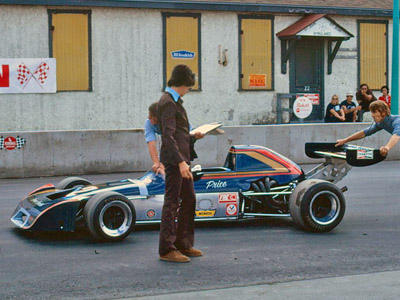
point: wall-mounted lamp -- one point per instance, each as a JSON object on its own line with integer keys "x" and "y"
{"x": 222, "y": 56}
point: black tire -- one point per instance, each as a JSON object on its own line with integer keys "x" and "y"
{"x": 71, "y": 182}
{"x": 317, "y": 205}
{"x": 109, "y": 216}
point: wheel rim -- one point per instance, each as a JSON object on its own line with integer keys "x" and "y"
{"x": 324, "y": 207}
{"x": 115, "y": 218}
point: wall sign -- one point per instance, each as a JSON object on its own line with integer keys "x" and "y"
{"x": 27, "y": 75}
{"x": 302, "y": 107}
{"x": 183, "y": 54}
{"x": 11, "y": 143}
{"x": 257, "y": 80}
{"x": 314, "y": 98}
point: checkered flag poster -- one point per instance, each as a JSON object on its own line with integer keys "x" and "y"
{"x": 11, "y": 143}
{"x": 28, "y": 75}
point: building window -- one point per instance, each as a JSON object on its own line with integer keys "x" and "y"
{"x": 373, "y": 50}
{"x": 70, "y": 45}
{"x": 182, "y": 44}
{"x": 256, "y": 53}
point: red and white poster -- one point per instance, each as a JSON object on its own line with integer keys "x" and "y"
{"x": 314, "y": 98}
{"x": 27, "y": 75}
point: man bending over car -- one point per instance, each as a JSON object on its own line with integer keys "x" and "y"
{"x": 380, "y": 112}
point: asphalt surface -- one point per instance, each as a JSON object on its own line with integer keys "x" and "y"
{"x": 268, "y": 259}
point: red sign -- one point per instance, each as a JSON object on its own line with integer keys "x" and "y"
{"x": 5, "y": 76}
{"x": 314, "y": 98}
{"x": 10, "y": 143}
{"x": 257, "y": 80}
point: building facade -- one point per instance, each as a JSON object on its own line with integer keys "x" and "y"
{"x": 114, "y": 58}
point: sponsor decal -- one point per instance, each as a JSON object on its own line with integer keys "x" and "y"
{"x": 150, "y": 213}
{"x": 183, "y": 54}
{"x": 231, "y": 209}
{"x": 205, "y": 213}
{"x": 35, "y": 201}
{"x": 216, "y": 184}
{"x": 204, "y": 204}
{"x": 10, "y": 142}
{"x": 365, "y": 154}
{"x": 227, "y": 197}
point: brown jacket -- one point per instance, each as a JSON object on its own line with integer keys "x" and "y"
{"x": 175, "y": 134}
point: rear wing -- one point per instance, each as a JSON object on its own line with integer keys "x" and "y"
{"x": 356, "y": 156}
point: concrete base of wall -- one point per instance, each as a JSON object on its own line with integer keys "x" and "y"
{"x": 51, "y": 153}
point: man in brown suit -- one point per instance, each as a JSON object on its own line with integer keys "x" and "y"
{"x": 176, "y": 240}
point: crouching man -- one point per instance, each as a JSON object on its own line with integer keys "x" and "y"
{"x": 380, "y": 112}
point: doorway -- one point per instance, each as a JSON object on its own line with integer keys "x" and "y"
{"x": 307, "y": 74}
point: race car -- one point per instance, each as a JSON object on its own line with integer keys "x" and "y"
{"x": 254, "y": 182}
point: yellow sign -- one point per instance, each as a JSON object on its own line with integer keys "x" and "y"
{"x": 205, "y": 213}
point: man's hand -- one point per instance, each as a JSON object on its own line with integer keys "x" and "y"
{"x": 185, "y": 170}
{"x": 340, "y": 142}
{"x": 384, "y": 150}
{"x": 158, "y": 168}
{"x": 198, "y": 135}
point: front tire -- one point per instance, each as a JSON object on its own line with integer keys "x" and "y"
{"x": 317, "y": 205}
{"x": 71, "y": 182}
{"x": 109, "y": 216}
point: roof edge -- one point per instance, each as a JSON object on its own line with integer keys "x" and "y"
{"x": 212, "y": 6}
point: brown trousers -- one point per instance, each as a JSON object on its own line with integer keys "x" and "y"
{"x": 179, "y": 201}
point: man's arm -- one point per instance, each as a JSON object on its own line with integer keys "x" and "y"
{"x": 356, "y": 136}
{"x": 157, "y": 167}
{"x": 392, "y": 142}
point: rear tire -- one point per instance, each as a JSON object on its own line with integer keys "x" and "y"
{"x": 71, "y": 182}
{"x": 109, "y": 216}
{"x": 317, "y": 205}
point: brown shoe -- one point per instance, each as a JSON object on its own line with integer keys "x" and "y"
{"x": 174, "y": 256}
{"x": 191, "y": 252}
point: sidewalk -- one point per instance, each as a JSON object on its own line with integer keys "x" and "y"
{"x": 379, "y": 286}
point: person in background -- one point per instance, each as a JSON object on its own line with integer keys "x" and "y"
{"x": 334, "y": 113}
{"x": 151, "y": 131}
{"x": 382, "y": 120}
{"x": 364, "y": 97}
{"x": 385, "y": 95}
{"x": 349, "y": 108}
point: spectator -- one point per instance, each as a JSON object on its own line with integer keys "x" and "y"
{"x": 364, "y": 97}
{"x": 385, "y": 95}
{"x": 334, "y": 113}
{"x": 349, "y": 108}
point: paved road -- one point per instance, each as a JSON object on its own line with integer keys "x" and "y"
{"x": 268, "y": 259}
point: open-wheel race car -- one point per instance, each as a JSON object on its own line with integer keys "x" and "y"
{"x": 254, "y": 182}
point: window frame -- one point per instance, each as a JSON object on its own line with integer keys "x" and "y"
{"x": 267, "y": 17}
{"x": 50, "y": 13}
{"x": 165, "y": 15}
{"x": 359, "y": 22}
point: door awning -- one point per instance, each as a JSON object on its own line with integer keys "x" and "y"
{"x": 315, "y": 25}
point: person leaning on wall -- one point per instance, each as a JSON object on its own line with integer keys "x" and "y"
{"x": 350, "y": 109}
{"x": 334, "y": 113}
{"x": 364, "y": 97}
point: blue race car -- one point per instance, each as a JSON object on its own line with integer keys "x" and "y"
{"x": 254, "y": 182}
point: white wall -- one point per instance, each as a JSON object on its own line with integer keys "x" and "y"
{"x": 127, "y": 72}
